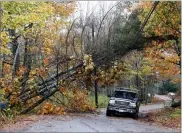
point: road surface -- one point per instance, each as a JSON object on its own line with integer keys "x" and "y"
{"x": 163, "y": 97}
{"x": 94, "y": 123}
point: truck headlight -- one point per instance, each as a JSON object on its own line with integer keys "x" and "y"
{"x": 111, "y": 101}
{"x": 133, "y": 104}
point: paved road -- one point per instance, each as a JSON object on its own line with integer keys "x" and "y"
{"x": 163, "y": 97}
{"x": 94, "y": 123}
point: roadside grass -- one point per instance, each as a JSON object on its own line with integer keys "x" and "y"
{"x": 102, "y": 100}
{"x": 176, "y": 113}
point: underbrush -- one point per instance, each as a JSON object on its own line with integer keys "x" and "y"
{"x": 70, "y": 101}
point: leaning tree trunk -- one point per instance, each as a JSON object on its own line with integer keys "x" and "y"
{"x": 16, "y": 61}
{"x": 27, "y": 63}
{"x": 15, "y": 52}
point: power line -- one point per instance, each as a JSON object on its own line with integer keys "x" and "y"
{"x": 142, "y": 27}
{"x": 148, "y": 17}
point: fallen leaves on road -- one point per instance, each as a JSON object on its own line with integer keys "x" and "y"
{"x": 17, "y": 123}
{"x": 167, "y": 117}
{"x": 157, "y": 100}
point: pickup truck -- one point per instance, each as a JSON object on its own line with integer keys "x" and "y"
{"x": 124, "y": 101}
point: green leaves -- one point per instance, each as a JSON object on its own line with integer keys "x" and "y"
{"x": 17, "y": 14}
{"x": 5, "y": 40}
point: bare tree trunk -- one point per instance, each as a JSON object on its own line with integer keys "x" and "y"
{"x": 93, "y": 40}
{"x": 73, "y": 46}
{"x": 15, "y": 51}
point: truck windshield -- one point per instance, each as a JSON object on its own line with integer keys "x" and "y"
{"x": 124, "y": 94}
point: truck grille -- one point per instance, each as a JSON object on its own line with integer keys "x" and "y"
{"x": 122, "y": 103}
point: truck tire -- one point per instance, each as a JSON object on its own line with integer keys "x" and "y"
{"x": 108, "y": 113}
{"x": 135, "y": 116}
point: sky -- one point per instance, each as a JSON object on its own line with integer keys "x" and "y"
{"x": 86, "y": 7}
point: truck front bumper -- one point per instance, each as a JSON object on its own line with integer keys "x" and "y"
{"x": 122, "y": 110}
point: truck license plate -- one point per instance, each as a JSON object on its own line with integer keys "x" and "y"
{"x": 121, "y": 110}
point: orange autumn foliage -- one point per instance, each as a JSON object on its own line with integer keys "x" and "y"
{"x": 164, "y": 61}
{"x": 49, "y": 108}
{"x": 78, "y": 100}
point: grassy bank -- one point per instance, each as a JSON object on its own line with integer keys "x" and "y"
{"x": 102, "y": 100}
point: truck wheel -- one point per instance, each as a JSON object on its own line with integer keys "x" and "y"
{"x": 108, "y": 112}
{"x": 135, "y": 116}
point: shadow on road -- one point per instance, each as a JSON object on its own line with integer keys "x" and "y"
{"x": 140, "y": 115}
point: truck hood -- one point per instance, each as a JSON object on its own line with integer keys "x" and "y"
{"x": 122, "y": 99}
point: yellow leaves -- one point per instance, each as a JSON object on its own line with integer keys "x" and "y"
{"x": 39, "y": 71}
{"x": 22, "y": 13}
{"x": 4, "y": 35}
{"x": 165, "y": 64}
{"x": 80, "y": 102}
{"x": 5, "y": 40}
{"x": 45, "y": 8}
{"x": 33, "y": 72}
{"x": 77, "y": 99}
{"x": 5, "y": 51}
{"x": 62, "y": 90}
{"x": 9, "y": 87}
{"x": 88, "y": 63}
{"x": 64, "y": 9}
{"x": 14, "y": 99}
{"x": 86, "y": 57}
{"x": 47, "y": 50}
{"x": 173, "y": 58}
{"x": 21, "y": 71}
{"x": 146, "y": 4}
{"x": 110, "y": 76}
{"x": 48, "y": 45}
{"x": 7, "y": 69}
{"x": 164, "y": 21}
{"x": 45, "y": 61}
{"x": 147, "y": 70}
{"x": 163, "y": 59}
{"x": 34, "y": 17}
{"x": 48, "y": 108}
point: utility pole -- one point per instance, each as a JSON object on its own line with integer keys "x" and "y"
{"x": 137, "y": 80}
{"x": 57, "y": 67}
{"x": 96, "y": 88}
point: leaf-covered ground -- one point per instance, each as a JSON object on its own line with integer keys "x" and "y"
{"x": 20, "y": 122}
{"x": 167, "y": 117}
